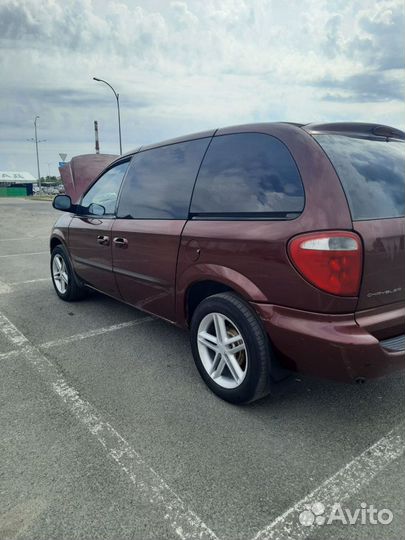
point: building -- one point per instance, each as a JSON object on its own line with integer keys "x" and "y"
{"x": 16, "y": 184}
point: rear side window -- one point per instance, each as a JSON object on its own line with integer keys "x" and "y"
{"x": 248, "y": 174}
{"x": 160, "y": 181}
{"x": 372, "y": 173}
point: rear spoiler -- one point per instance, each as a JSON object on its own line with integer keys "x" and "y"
{"x": 354, "y": 129}
{"x": 81, "y": 171}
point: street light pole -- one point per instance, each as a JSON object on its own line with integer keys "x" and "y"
{"x": 36, "y": 148}
{"x": 117, "y": 97}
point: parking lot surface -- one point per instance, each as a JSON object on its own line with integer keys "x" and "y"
{"x": 108, "y": 432}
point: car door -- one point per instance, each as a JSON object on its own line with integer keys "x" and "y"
{"x": 90, "y": 231}
{"x": 152, "y": 212}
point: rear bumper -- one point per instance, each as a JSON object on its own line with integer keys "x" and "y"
{"x": 335, "y": 346}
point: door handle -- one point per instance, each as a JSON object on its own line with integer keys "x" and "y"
{"x": 121, "y": 242}
{"x": 103, "y": 240}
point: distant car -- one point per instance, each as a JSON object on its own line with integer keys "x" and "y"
{"x": 279, "y": 246}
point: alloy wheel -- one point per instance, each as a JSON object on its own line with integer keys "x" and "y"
{"x": 60, "y": 274}
{"x": 222, "y": 350}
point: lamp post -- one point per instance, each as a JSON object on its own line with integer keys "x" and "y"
{"x": 36, "y": 141}
{"x": 117, "y": 97}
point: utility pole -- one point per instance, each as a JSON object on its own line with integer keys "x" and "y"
{"x": 117, "y": 97}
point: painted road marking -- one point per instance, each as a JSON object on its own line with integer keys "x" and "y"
{"x": 7, "y": 288}
{"x": 341, "y": 486}
{"x": 23, "y": 238}
{"x": 146, "y": 480}
{"x": 37, "y": 280}
{"x": 4, "y": 288}
{"x": 21, "y": 254}
{"x": 85, "y": 335}
{"x": 95, "y": 332}
{"x": 10, "y": 354}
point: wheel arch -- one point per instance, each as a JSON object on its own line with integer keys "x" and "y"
{"x": 201, "y": 281}
{"x": 56, "y": 240}
{"x": 198, "y": 291}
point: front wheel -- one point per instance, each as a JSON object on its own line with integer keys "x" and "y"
{"x": 230, "y": 348}
{"x": 63, "y": 277}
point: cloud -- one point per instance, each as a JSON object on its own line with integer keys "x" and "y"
{"x": 186, "y": 65}
{"x": 364, "y": 88}
{"x": 376, "y": 50}
{"x": 379, "y": 43}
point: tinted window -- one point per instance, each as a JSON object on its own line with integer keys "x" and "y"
{"x": 160, "y": 181}
{"x": 372, "y": 174}
{"x": 248, "y": 173}
{"x": 105, "y": 191}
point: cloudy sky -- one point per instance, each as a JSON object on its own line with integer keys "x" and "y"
{"x": 187, "y": 65}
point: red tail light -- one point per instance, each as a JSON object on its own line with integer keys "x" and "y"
{"x": 332, "y": 261}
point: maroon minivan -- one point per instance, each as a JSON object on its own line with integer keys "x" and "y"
{"x": 281, "y": 247}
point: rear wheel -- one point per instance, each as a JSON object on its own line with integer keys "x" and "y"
{"x": 66, "y": 284}
{"x": 230, "y": 348}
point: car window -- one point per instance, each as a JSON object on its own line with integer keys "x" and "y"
{"x": 160, "y": 181}
{"x": 372, "y": 173}
{"x": 105, "y": 191}
{"x": 248, "y": 173}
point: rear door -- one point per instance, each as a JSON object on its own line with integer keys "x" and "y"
{"x": 152, "y": 212}
{"x": 90, "y": 231}
{"x": 372, "y": 173}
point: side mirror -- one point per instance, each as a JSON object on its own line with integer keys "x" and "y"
{"x": 63, "y": 202}
{"x": 96, "y": 209}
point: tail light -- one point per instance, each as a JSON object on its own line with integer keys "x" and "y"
{"x": 332, "y": 261}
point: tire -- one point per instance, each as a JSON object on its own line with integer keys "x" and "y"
{"x": 230, "y": 316}
{"x": 67, "y": 287}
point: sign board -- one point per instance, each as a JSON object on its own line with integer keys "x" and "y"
{"x": 62, "y": 164}
{"x": 63, "y": 156}
{"x": 16, "y": 177}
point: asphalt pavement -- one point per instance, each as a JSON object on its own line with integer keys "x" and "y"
{"x": 108, "y": 432}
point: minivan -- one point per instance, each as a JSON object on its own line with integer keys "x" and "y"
{"x": 279, "y": 245}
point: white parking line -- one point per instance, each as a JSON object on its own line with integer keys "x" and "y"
{"x": 23, "y": 238}
{"x": 4, "y": 288}
{"x": 7, "y": 355}
{"x": 11, "y": 332}
{"x": 84, "y": 335}
{"x": 37, "y": 280}
{"x": 7, "y": 288}
{"x": 341, "y": 486}
{"x": 21, "y": 254}
{"x": 95, "y": 332}
{"x": 149, "y": 485}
